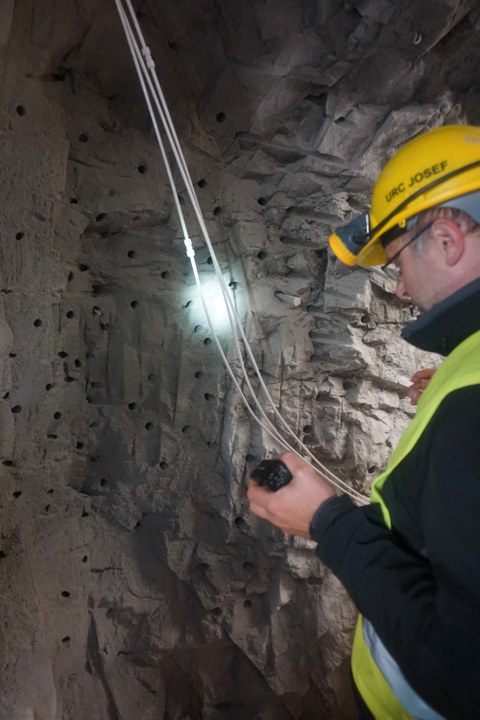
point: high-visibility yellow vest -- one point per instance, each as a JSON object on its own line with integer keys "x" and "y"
{"x": 376, "y": 675}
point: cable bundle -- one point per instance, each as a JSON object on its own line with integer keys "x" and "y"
{"x": 158, "y": 111}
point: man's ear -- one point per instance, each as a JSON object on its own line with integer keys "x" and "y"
{"x": 450, "y": 239}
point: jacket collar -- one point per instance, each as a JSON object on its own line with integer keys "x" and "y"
{"x": 447, "y": 324}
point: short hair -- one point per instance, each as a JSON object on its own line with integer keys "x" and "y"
{"x": 450, "y": 213}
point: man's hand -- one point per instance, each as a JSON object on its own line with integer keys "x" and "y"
{"x": 291, "y": 508}
{"x": 419, "y": 382}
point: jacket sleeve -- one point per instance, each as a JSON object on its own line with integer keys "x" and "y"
{"x": 424, "y": 606}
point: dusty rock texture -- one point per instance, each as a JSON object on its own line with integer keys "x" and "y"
{"x": 134, "y": 585}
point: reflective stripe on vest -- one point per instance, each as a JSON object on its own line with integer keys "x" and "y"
{"x": 377, "y": 676}
{"x": 412, "y": 702}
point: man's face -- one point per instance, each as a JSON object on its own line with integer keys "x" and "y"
{"x": 416, "y": 264}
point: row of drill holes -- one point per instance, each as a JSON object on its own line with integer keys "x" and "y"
{"x": 62, "y": 354}
{"x": 83, "y": 138}
{"x": 79, "y": 444}
{"x": 133, "y": 406}
{"x": 202, "y": 567}
{"x": 50, "y": 386}
{"x": 217, "y": 210}
{"x": 164, "y": 275}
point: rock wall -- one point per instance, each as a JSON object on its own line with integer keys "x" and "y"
{"x": 134, "y": 584}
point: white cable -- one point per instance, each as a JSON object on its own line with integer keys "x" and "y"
{"x": 145, "y": 68}
{"x": 231, "y": 310}
{"x": 333, "y": 478}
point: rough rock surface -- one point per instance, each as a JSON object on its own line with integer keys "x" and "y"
{"x": 133, "y": 583}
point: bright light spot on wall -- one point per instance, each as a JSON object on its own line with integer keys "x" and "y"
{"x": 216, "y": 304}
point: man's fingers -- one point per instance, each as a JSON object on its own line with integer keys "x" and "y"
{"x": 423, "y": 374}
{"x": 414, "y": 396}
{"x": 292, "y": 461}
{"x": 259, "y": 510}
{"x": 420, "y": 381}
{"x": 260, "y": 499}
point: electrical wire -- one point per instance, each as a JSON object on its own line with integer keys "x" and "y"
{"x": 155, "y": 100}
{"x": 142, "y": 70}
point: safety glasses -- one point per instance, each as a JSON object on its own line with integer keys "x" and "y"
{"x": 392, "y": 270}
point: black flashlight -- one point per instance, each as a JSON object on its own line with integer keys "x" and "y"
{"x": 272, "y": 473}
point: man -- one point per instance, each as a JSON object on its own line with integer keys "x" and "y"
{"x": 411, "y": 559}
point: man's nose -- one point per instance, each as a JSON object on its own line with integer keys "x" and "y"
{"x": 400, "y": 290}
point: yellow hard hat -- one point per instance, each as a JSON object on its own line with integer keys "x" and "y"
{"x": 440, "y": 168}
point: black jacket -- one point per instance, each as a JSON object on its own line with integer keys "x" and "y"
{"x": 419, "y": 583}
